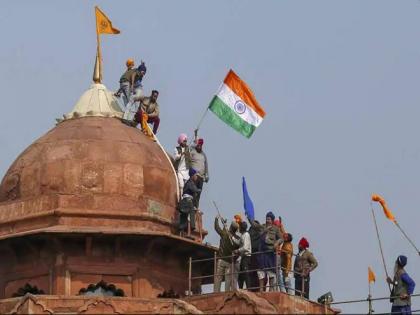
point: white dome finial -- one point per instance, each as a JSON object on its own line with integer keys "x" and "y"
{"x": 97, "y": 101}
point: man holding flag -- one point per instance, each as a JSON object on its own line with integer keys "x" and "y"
{"x": 403, "y": 287}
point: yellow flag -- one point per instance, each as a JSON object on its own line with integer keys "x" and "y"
{"x": 103, "y": 24}
{"x": 371, "y": 275}
{"x": 387, "y": 212}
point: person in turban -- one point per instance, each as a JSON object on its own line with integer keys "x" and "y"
{"x": 270, "y": 238}
{"x": 403, "y": 288}
{"x": 228, "y": 244}
{"x": 305, "y": 263}
{"x": 199, "y": 162}
{"x": 238, "y": 218}
{"x": 182, "y": 160}
{"x": 188, "y": 204}
{"x": 126, "y": 81}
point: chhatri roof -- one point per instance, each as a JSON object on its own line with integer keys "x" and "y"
{"x": 97, "y": 101}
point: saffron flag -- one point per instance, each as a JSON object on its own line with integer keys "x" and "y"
{"x": 236, "y": 105}
{"x": 248, "y": 205}
{"x": 371, "y": 275}
{"x": 103, "y": 23}
{"x": 387, "y": 212}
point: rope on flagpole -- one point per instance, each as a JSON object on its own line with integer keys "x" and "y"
{"x": 380, "y": 244}
{"x": 406, "y": 236}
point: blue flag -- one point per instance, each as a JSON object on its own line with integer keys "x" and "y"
{"x": 248, "y": 205}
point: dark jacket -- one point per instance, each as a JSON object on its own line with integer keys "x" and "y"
{"x": 190, "y": 188}
{"x": 273, "y": 237}
{"x": 254, "y": 232}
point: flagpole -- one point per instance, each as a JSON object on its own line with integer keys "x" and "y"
{"x": 406, "y": 236}
{"x": 98, "y": 49}
{"x": 380, "y": 244}
{"x": 370, "y": 300}
{"x": 204, "y": 114}
{"x": 202, "y": 118}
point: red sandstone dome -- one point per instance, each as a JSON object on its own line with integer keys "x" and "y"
{"x": 93, "y": 173}
{"x": 93, "y": 201}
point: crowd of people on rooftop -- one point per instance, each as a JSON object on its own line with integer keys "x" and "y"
{"x": 258, "y": 258}
{"x": 262, "y": 254}
{"x": 261, "y": 257}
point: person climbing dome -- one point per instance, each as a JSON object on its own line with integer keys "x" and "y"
{"x": 127, "y": 82}
{"x": 136, "y": 89}
{"x": 138, "y": 86}
{"x": 199, "y": 162}
{"x": 182, "y": 160}
{"x": 148, "y": 112}
{"x": 187, "y": 205}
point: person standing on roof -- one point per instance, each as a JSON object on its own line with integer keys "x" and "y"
{"x": 244, "y": 251}
{"x": 278, "y": 223}
{"x": 254, "y": 232}
{"x": 286, "y": 263}
{"x": 270, "y": 238}
{"x": 403, "y": 288}
{"x": 182, "y": 160}
{"x": 199, "y": 162}
{"x": 127, "y": 82}
{"x": 305, "y": 263}
{"x": 225, "y": 255}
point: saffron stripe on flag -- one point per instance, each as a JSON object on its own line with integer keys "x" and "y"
{"x": 230, "y": 117}
{"x": 241, "y": 89}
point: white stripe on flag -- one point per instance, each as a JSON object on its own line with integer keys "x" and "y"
{"x": 230, "y": 99}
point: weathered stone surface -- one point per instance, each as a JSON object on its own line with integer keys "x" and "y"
{"x": 92, "y": 166}
{"x": 31, "y": 304}
{"x": 223, "y": 303}
{"x": 244, "y": 302}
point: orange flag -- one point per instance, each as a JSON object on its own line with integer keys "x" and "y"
{"x": 387, "y": 212}
{"x": 103, "y": 23}
{"x": 371, "y": 275}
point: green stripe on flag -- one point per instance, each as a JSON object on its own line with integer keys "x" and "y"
{"x": 231, "y": 118}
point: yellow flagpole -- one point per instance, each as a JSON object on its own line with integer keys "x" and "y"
{"x": 98, "y": 52}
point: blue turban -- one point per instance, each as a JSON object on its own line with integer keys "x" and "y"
{"x": 192, "y": 172}
{"x": 142, "y": 67}
{"x": 402, "y": 260}
{"x": 270, "y": 215}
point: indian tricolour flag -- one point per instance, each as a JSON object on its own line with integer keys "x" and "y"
{"x": 235, "y": 104}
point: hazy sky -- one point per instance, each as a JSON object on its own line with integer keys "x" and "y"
{"x": 338, "y": 79}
